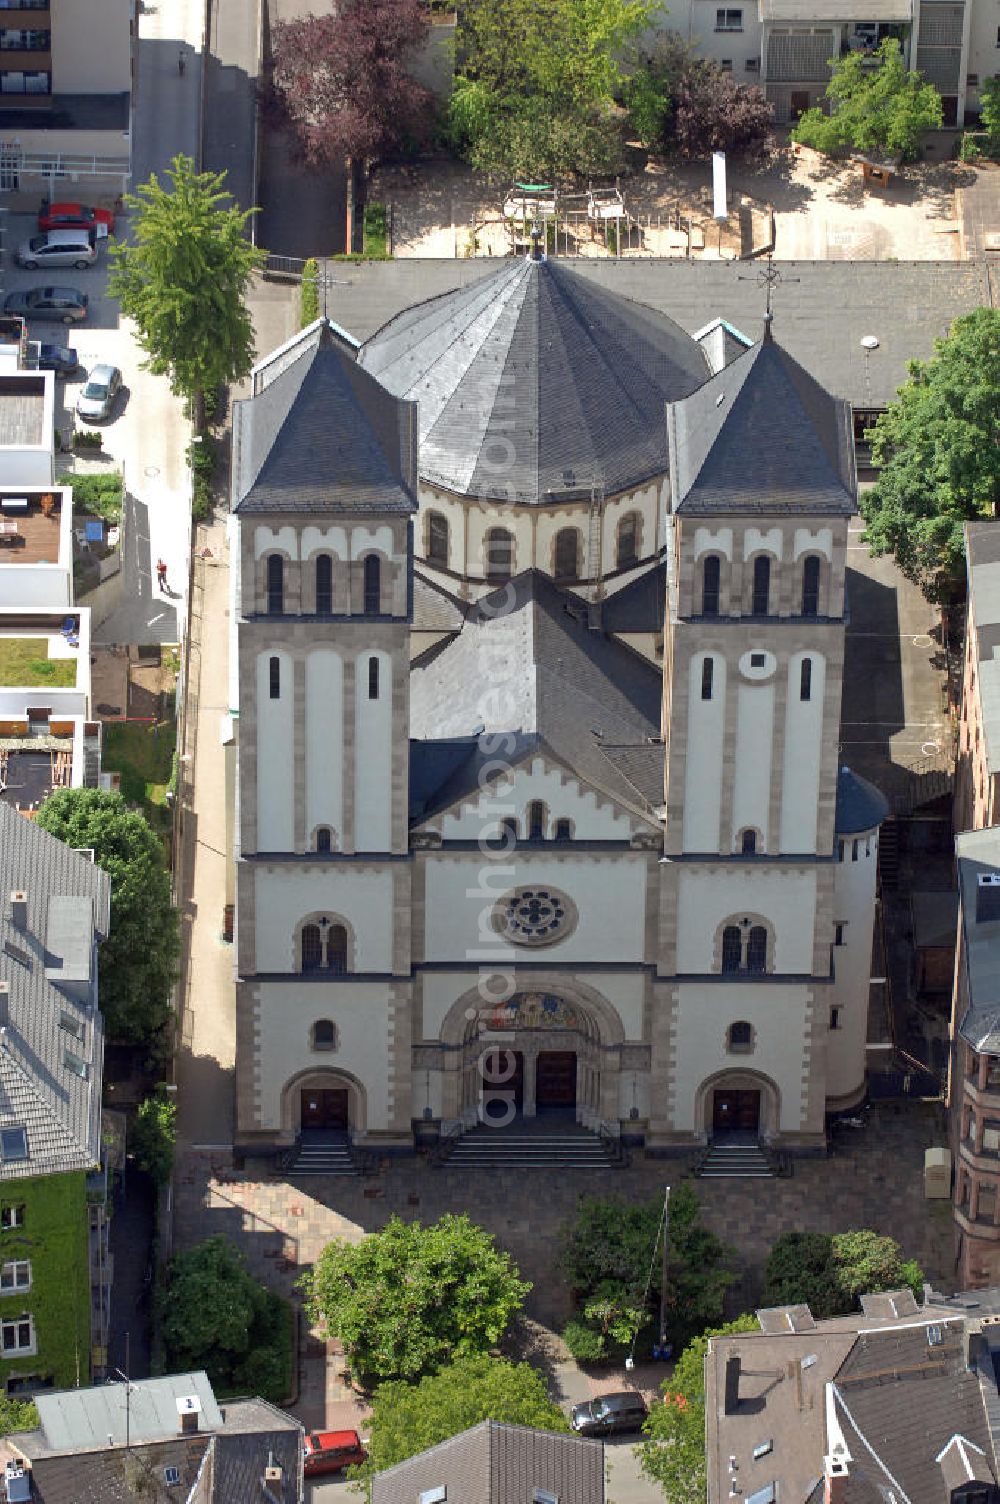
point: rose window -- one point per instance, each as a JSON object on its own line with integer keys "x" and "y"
{"x": 534, "y": 916}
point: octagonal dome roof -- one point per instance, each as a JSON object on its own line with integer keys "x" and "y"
{"x": 534, "y": 384}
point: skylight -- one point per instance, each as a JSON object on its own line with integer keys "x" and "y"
{"x": 75, "y": 1064}
{"x": 13, "y": 1143}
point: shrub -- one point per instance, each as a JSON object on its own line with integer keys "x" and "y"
{"x": 829, "y": 1272}
{"x": 201, "y": 455}
{"x": 100, "y": 493}
{"x": 309, "y": 293}
{"x": 155, "y": 1134}
{"x": 969, "y": 150}
{"x": 376, "y": 232}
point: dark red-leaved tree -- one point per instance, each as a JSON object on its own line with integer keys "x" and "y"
{"x": 712, "y": 112}
{"x": 339, "y": 82}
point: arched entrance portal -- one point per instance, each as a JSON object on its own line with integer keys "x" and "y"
{"x": 738, "y": 1105}
{"x": 533, "y": 1056}
{"x": 323, "y": 1103}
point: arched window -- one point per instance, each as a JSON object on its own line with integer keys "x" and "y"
{"x": 536, "y": 820}
{"x": 324, "y": 1034}
{"x": 732, "y": 948}
{"x": 806, "y": 679}
{"x": 810, "y": 585}
{"x": 504, "y": 838}
{"x": 312, "y": 948}
{"x": 373, "y": 585}
{"x": 274, "y": 678}
{"x": 275, "y": 585}
{"x": 563, "y": 831}
{"x": 707, "y": 675}
{"x": 710, "y": 574}
{"x": 757, "y": 950}
{"x": 761, "y": 585}
{"x": 740, "y": 1039}
{"x": 628, "y": 540}
{"x": 336, "y": 950}
{"x": 324, "y": 838}
{"x": 567, "y": 554}
{"x": 373, "y": 678}
{"x": 499, "y": 554}
{"x": 437, "y": 539}
{"x": 748, "y": 842}
{"x": 324, "y": 585}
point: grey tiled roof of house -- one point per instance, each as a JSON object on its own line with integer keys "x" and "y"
{"x": 497, "y": 1464}
{"x": 120, "y": 1476}
{"x": 978, "y": 855}
{"x": 639, "y": 606}
{"x": 526, "y": 662}
{"x": 68, "y": 905}
{"x": 319, "y": 435}
{"x": 860, "y": 805}
{"x": 761, "y": 436}
{"x": 535, "y": 384}
{"x": 982, "y": 558}
{"x": 823, "y": 309}
{"x": 433, "y": 609}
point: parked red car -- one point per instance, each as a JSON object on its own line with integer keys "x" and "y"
{"x": 74, "y": 217}
{"x": 331, "y": 1451}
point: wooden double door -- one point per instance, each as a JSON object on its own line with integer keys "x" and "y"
{"x": 736, "y": 1112}
{"x": 555, "y": 1079}
{"x": 327, "y": 1109}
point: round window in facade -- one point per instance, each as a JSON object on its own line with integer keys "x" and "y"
{"x": 535, "y": 916}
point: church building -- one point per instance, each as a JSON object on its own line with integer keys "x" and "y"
{"x": 539, "y": 629}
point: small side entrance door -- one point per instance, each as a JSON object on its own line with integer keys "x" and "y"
{"x": 799, "y": 103}
{"x": 555, "y": 1079}
{"x": 736, "y": 1112}
{"x": 502, "y": 1087}
{"x": 326, "y": 1109}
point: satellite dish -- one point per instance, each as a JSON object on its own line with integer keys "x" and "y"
{"x": 869, "y": 342}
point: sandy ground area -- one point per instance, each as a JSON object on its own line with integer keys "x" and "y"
{"x": 822, "y": 211}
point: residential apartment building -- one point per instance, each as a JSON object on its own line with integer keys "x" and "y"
{"x": 977, "y": 769}
{"x": 54, "y": 1264}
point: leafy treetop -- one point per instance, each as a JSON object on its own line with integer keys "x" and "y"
{"x": 876, "y": 109}
{"x": 139, "y": 958}
{"x": 183, "y": 278}
{"x": 683, "y": 103}
{"x": 155, "y": 1134}
{"x": 830, "y": 1272}
{"x": 674, "y": 1454}
{"x": 938, "y": 449}
{"x": 340, "y": 82}
{"x": 411, "y": 1298}
{"x": 407, "y": 1418}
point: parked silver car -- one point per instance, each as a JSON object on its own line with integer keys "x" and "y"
{"x": 97, "y": 396}
{"x": 58, "y": 248}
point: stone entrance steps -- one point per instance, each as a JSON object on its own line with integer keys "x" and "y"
{"x": 735, "y": 1161}
{"x": 322, "y": 1157}
{"x": 501, "y": 1149}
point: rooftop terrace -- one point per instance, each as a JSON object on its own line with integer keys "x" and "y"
{"x": 32, "y": 535}
{"x": 22, "y": 409}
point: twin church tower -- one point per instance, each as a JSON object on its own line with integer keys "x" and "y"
{"x": 539, "y": 625}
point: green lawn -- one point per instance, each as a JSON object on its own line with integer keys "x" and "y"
{"x": 25, "y": 660}
{"x": 143, "y": 755}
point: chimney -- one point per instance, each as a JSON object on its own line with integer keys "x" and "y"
{"x": 988, "y": 897}
{"x": 188, "y": 1411}
{"x": 19, "y": 910}
{"x": 834, "y": 1480}
{"x": 4, "y": 1004}
{"x": 732, "y": 1400}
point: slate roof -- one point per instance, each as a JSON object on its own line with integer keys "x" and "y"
{"x": 120, "y": 1477}
{"x": 982, "y": 561}
{"x": 978, "y": 854}
{"x": 526, "y": 662}
{"x": 535, "y": 384}
{"x": 66, "y": 892}
{"x": 639, "y": 606}
{"x": 860, "y": 805}
{"x": 434, "y": 610}
{"x": 762, "y": 436}
{"x": 319, "y": 435}
{"x": 497, "y": 1464}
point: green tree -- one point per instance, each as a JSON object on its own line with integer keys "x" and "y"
{"x": 17, "y": 1415}
{"x": 989, "y": 110}
{"x": 155, "y": 1134}
{"x": 214, "y": 1315}
{"x": 411, "y": 1298}
{"x": 938, "y": 449}
{"x": 680, "y": 102}
{"x": 829, "y": 1272}
{"x": 182, "y": 278}
{"x": 536, "y": 85}
{"x": 406, "y": 1418}
{"x": 139, "y": 958}
{"x": 674, "y": 1454}
{"x": 874, "y": 109}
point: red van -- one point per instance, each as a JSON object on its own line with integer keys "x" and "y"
{"x": 330, "y": 1451}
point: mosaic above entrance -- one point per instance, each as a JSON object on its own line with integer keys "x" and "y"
{"x": 533, "y": 1010}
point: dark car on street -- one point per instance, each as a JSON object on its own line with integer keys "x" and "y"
{"x": 59, "y": 358}
{"x": 610, "y": 1414}
{"x": 62, "y": 303}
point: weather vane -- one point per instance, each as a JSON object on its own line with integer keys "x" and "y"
{"x": 768, "y": 277}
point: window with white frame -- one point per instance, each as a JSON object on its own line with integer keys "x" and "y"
{"x": 15, "y": 1276}
{"x": 17, "y": 1335}
{"x": 11, "y": 1216}
{"x": 729, "y": 20}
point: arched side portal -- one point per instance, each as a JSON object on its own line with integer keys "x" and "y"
{"x": 323, "y": 1099}
{"x": 736, "y": 1104}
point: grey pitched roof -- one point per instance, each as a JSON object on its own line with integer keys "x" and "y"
{"x": 256, "y": 1435}
{"x": 77, "y": 1420}
{"x": 318, "y": 435}
{"x": 978, "y": 855}
{"x": 762, "y": 436}
{"x": 639, "y": 606}
{"x": 120, "y": 1477}
{"x": 434, "y": 610}
{"x": 535, "y": 384}
{"x": 527, "y": 662}
{"x": 497, "y": 1464}
{"x": 68, "y": 905}
{"x": 860, "y": 805}
{"x": 982, "y": 558}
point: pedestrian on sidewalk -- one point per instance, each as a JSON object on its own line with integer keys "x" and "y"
{"x": 161, "y": 575}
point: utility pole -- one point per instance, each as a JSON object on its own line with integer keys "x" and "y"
{"x": 664, "y": 1267}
